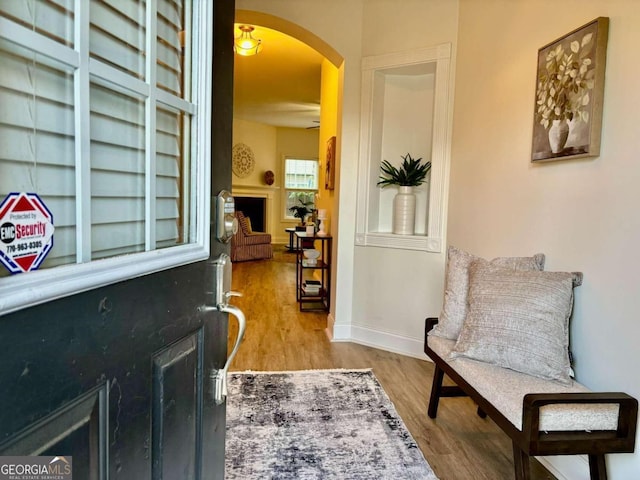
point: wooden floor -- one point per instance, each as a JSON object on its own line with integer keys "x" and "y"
{"x": 458, "y": 444}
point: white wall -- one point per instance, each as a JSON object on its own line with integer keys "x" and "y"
{"x": 393, "y": 26}
{"x": 395, "y": 290}
{"x": 582, "y": 214}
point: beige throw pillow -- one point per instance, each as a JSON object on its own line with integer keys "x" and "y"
{"x": 519, "y": 320}
{"x": 454, "y": 308}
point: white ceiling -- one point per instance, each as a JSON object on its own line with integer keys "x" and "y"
{"x": 279, "y": 86}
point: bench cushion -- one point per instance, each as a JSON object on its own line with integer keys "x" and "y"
{"x": 505, "y": 389}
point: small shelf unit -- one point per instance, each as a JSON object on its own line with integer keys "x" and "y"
{"x": 318, "y": 272}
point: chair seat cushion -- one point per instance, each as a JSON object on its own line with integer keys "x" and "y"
{"x": 505, "y": 389}
{"x": 256, "y": 238}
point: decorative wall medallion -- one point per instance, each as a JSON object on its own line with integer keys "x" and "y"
{"x": 243, "y": 160}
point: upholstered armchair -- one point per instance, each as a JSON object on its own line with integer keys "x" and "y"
{"x": 249, "y": 245}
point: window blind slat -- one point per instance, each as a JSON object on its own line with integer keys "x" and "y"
{"x": 169, "y": 50}
{"x": 167, "y": 145}
{"x": 108, "y": 131}
{"x": 170, "y": 12}
{"x": 117, "y": 158}
{"x": 117, "y": 34}
{"x": 130, "y": 11}
{"x": 23, "y": 110}
{"x": 116, "y": 184}
{"x": 116, "y": 210}
{"x": 167, "y": 209}
{"x": 116, "y": 53}
{"x": 21, "y": 74}
{"x": 113, "y": 22}
{"x": 167, "y": 122}
{"x": 109, "y": 103}
{"x": 167, "y": 166}
{"x": 52, "y": 19}
{"x": 167, "y": 232}
{"x": 167, "y": 187}
{"x": 45, "y": 180}
{"x": 116, "y": 239}
{"x": 168, "y": 80}
{"x": 20, "y": 145}
{"x": 169, "y": 35}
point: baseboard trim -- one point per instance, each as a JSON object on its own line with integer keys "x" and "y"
{"x": 566, "y": 467}
{"x": 338, "y": 333}
{"x": 391, "y": 342}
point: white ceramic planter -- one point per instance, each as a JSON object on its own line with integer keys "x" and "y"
{"x": 404, "y": 211}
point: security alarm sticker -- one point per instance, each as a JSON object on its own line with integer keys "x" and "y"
{"x": 26, "y": 232}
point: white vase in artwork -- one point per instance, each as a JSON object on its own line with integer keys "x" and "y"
{"x": 404, "y": 211}
{"x": 558, "y": 134}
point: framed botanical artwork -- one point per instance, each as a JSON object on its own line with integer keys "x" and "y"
{"x": 569, "y": 94}
{"x": 330, "y": 165}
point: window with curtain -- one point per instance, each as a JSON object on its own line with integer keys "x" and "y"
{"x": 97, "y": 106}
{"x": 300, "y": 183}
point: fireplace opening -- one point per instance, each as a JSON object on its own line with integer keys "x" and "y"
{"x": 254, "y": 209}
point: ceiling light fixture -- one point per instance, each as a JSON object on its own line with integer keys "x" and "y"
{"x": 245, "y": 44}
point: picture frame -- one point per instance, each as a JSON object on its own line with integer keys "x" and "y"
{"x": 569, "y": 94}
{"x": 330, "y": 165}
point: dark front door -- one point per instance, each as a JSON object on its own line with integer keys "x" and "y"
{"x": 118, "y": 377}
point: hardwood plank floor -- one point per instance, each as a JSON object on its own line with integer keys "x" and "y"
{"x": 458, "y": 444}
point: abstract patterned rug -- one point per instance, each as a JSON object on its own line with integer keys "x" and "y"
{"x": 318, "y": 424}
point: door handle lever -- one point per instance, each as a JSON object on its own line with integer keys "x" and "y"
{"x": 221, "y": 295}
{"x": 219, "y": 377}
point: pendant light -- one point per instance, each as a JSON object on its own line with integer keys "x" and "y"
{"x": 245, "y": 44}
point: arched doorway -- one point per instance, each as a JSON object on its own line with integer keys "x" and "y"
{"x": 330, "y": 111}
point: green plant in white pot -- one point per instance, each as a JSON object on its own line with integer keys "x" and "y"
{"x": 412, "y": 173}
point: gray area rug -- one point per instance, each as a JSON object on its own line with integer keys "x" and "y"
{"x": 319, "y": 424}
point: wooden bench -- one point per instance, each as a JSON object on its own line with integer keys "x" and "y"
{"x": 541, "y": 417}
